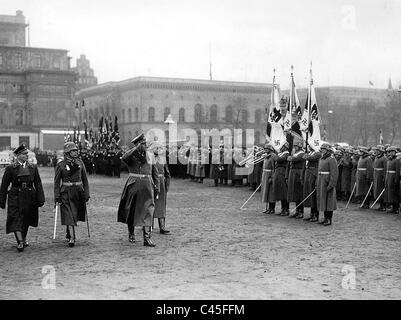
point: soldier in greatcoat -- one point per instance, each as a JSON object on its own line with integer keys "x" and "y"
{"x": 346, "y": 171}
{"x": 137, "y": 203}
{"x": 267, "y": 180}
{"x": 379, "y": 174}
{"x": 23, "y": 198}
{"x": 311, "y": 168}
{"x": 296, "y": 164}
{"x": 354, "y": 159}
{"x": 280, "y": 186}
{"x": 164, "y": 185}
{"x": 364, "y": 177}
{"x": 326, "y": 184}
{"x": 71, "y": 190}
{"x": 392, "y": 180}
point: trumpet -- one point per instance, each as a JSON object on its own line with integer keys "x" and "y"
{"x": 257, "y": 155}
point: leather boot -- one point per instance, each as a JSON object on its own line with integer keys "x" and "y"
{"x": 20, "y": 246}
{"x": 329, "y": 217}
{"x": 147, "y": 241}
{"x": 325, "y": 219}
{"x": 300, "y": 215}
{"x": 162, "y": 226}
{"x": 71, "y": 241}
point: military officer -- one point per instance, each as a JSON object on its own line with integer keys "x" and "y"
{"x": 346, "y": 171}
{"x": 71, "y": 190}
{"x": 164, "y": 185}
{"x": 280, "y": 186}
{"x": 311, "y": 171}
{"x": 267, "y": 180}
{"x": 379, "y": 174}
{"x": 296, "y": 164}
{"x": 326, "y": 184}
{"x": 392, "y": 180}
{"x": 364, "y": 176}
{"x": 137, "y": 203}
{"x": 24, "y": 197}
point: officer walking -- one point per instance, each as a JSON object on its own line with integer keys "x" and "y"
{"x": 71, "y": 190}
{"x": 24, "y": 197}
{"x": 137, "y": 203}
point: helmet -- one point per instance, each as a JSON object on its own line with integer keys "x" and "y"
{"x": 69, "y": 146}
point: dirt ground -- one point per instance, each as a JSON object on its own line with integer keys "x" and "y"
{"x": 214, "y": 251}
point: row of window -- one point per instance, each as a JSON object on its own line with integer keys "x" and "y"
{"x": 36, "y": 61}
{"x": 19, "y": 117}
{"x": 231, "y": 115}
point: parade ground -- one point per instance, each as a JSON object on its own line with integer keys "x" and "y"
{"x": 214, "y": 251}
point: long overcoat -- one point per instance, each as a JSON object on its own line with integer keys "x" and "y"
{"x": 280, "y": 187}
{"x": 72, "y": 198}
{"x": 392, "y": 181}
{"x": 137, "y": 203}
{"x": 295, "y": 177}
{"x": 364, "y": 175}
{"x": 22, "y": 203}
{"x": 346, "y": 174}
{"x": 379, "y": 175}
{"x": 326, "y": 184}
{"x": 164, "y": 185}
{"x": 311, "y": 165}
{"x": 267, "y": 179}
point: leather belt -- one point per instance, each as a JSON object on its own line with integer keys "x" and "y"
{"x": 161, "y": 175}
{"x": 324, "y": 172}
{"x": 22, "y": 185}
{"x": 311, "y": 167}
{"x": 362, "y": 169}
{"x": 70, "y": 184}
{"x": 390, "y": 171}
{"x": 267, "y": 170}
{"x": 378, "y": 169}
{"x": 137, "y": 175}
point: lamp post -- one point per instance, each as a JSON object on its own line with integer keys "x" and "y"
{"x": 171, "y": 140}
{"x": 330, "y": 124}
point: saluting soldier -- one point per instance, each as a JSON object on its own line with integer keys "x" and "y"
{"x": 392, "y": 181}
{"x": 267, "y": 180}
{"x": 326, "y": 184}
{"x": 364, "y": 176}
{"x": 137, "y": 203}
{"x": 71, "y": 190}
{"x": 164, "y": 185}
{"x": 24, "y": 197}
{"x": 311, "y": 170}
{"x": 280, "y": 187}
{"x": 296, "y": 164}
{"x": 379, "y": 174}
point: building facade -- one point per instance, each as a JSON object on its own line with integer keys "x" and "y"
{"x": 85, "y": 73}
{"x": 37, "y": 88}
{"x": 144, "y": 103}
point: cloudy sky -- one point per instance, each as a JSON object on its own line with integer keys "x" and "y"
{"x": 349, "y": 42}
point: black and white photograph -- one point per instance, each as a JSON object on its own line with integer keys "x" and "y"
{"x": 191, "y": 150}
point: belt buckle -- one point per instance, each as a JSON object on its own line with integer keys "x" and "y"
{"x": 23, "y": 185}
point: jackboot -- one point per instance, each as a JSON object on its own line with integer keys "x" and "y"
{"x": 325, "y": 219}
{"x": 71, "y": 241}
{"x": 329, "y": 217}
{"x": 162, "y": 226}
{"x": 20, "y": 242}
{"x": 147, "y": 241}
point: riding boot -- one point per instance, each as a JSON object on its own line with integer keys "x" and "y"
{"x": 329, "y": 217}
{"x": 267, "y": 209}
{"x": 20, "y": 242}
{"x": 71, "y": 241}
{"x": 147, "y": 241}
{"x": 131, "y": 233}
{"x": 24, "y": 234}
{"x": 162, "y": 226}
{"x": 272, "y": 207}
{"x": 67, "y": 233}
{"x": 325, "y": 219}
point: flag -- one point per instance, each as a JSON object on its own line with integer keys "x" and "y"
{"x": 305, "y": 119}
{"x": 274, "y": 129}
{"x": 381, "y": 140}
{"x": 294, "y": 109}
{"x": 371, "y": 83}
{"x": 314, "y": 139}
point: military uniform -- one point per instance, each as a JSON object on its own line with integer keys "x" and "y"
{"x": 326, "y": 184}
{"x": 392, "y": 181}
{"x": 267, "y": 181}
{"x": 346, "y": 172}
{"x": 379, "y": 174}
{"x": 280, "y": 187}
{"x": 311, "y": 173}
{"x": 137, "y": 203}
{"x": 71, "y": 190}
{"x": 161, "y": 200}
{"x": 23, "y": 199}
{"x": 295, "y": 180}
{"x": 364, "y": 177}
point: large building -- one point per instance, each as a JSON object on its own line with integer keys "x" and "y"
{"x": 144, "y": 103}
{"x": 37, "y": 88}
{"x": 85, "y": 73}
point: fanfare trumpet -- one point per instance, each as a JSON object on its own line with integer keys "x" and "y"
{"x": 254, "y": 157}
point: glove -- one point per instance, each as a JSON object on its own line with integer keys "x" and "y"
{"x": 57, "y": 200}
{"x": 40, "y": 204}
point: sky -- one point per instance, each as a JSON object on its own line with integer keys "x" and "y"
{"x": 349, "y": 42}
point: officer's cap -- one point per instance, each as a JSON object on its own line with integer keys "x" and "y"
{"x": 20, "y": 149}
{"x": 138, "y": 139}
{"x": 363, "y": 149}
{"x": 69, "y": 146}
{"x": 392, "y": 148}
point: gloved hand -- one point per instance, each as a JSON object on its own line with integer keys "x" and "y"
{"x": 40, "y": 204}
{"x": 156, "y": 194}
{"x": 57, "y": 200}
